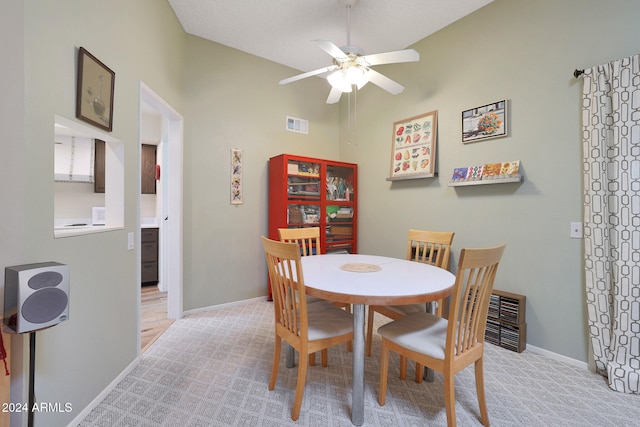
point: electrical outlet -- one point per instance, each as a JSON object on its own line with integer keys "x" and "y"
{"x": 130, "y": 241}
{"x": 576, "y": 230}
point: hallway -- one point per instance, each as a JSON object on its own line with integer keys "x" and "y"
{"x": 153, "y": 315}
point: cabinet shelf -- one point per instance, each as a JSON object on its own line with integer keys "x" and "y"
{"x": 304, "y": 195}
{"x": 518, "y": 178}
{"x": 304, "y": 175}
{"x": 303, "y": 224}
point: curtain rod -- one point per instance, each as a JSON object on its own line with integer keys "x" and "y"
{"x": 577, "y": 73}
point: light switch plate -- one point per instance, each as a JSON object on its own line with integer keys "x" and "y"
{"x": 576, "y": 230}
{"x": 130, "y": 241}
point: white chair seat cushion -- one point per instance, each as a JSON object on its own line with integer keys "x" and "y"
{"x": 421, "y": 332}
{"x": 326, "y": 321}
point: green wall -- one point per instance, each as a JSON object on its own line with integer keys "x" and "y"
{"x": 11, "y": 148}
{"x": 233, "y": 100}
{"x": 524, "y": 52}
{"x": 139, "y": 41}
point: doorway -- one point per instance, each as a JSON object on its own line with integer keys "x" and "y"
{"x": 168, "y": 212}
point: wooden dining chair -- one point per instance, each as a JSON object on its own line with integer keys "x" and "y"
{"x": 448, "y": 346}
{"x": 431, "y": 247}
{"x": 307, "y": 328}
{"x": 308, "y": 240}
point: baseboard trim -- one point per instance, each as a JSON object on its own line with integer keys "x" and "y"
{"x": 100, "y": 397}
{"x": 558, "y": 357}
{"x": 219, "y": 306}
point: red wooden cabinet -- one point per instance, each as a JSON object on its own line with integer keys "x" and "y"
{"x": 309, "y": 192}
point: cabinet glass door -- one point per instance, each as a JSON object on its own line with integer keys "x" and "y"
{"x": 339, "y": 232}
{"x": 303, "y": 215}
{"x": 303, "y": 181}
{"x": 339, "y": 185}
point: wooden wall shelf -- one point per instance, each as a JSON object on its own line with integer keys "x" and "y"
{"x": 403, "y": 178}
{"x": 518, "y": 178}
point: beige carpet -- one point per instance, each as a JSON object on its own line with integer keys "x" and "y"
{"x": 212, "y": 369}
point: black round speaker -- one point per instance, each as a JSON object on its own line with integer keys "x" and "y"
{"x": 44, "y": 305}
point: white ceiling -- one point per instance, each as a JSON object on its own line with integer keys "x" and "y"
{"x": 282, "y": 30}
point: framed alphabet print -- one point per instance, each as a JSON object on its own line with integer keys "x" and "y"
{"x": 94, "y": 93}
{"x": 413, "y": 147}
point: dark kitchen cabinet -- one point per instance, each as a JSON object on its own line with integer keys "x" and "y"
{"x": 99, "y": 162}
{"x": 148, "y": 164}
{"x": 149, "y": 255}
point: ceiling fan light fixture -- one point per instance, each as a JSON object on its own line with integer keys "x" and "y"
{"x": 344, "y": 79}
{"x": 338, "y": 80}
{"x": 357, "y": 76}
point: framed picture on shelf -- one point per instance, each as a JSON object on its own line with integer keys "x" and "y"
{"x": 485, "y": 122}
{"x": 413, "y": 147}
{"x": 94, "y": 92}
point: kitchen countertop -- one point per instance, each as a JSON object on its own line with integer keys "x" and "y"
{"x": 148, "y": 222}
{"x": 68, "y": 227}
{"x": 71, "y": 231}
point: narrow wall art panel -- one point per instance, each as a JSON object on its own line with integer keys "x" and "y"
{"x": 236, "y": 176}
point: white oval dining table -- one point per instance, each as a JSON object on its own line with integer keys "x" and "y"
{"x": 363, "y": 280}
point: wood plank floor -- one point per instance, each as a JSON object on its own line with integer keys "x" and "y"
{"x": 153, "y": 315}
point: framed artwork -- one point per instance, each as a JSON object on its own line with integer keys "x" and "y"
{"x": 94, "y": 93}
{"x": 236, "y": 176}
{"x": 413, "y": 147}
{"x": 486, "y": 122}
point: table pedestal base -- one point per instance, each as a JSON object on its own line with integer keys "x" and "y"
{"x": 357, "y": 404}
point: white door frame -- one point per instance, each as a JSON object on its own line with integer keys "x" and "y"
{"x": 172, "y": 222}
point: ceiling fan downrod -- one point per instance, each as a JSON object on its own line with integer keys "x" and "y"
{"x": 349, "y": 4}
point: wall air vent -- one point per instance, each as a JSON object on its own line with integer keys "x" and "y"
{"x": 297, "y": 125}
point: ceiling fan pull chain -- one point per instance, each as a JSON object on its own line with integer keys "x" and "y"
{"x": 349, "y": 116}
{"x": 355, "y": 117}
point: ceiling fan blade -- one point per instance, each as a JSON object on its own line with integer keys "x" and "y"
{"x": 334, "y": 96}
{"x": 407, "y": 55}
{"x": 330, "y": 48}
{"x": 384, "y": 82}
{"x": 308, "y": 74}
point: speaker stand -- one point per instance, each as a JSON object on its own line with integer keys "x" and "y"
{"x": 32, "y": 375}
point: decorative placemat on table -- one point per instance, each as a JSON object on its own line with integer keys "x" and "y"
{"x": 360, "y": 267}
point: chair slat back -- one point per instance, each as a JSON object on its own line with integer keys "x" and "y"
{"x": 470, "y": 301}
{"x": 287, "y": 282}
{"x": 307, "y": 239}
{"x": 431, "y": 247}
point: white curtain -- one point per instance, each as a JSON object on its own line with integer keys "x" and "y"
{"x": 611, "y": 145}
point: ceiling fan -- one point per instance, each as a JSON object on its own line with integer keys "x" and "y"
{"x": 351, "y": 67}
